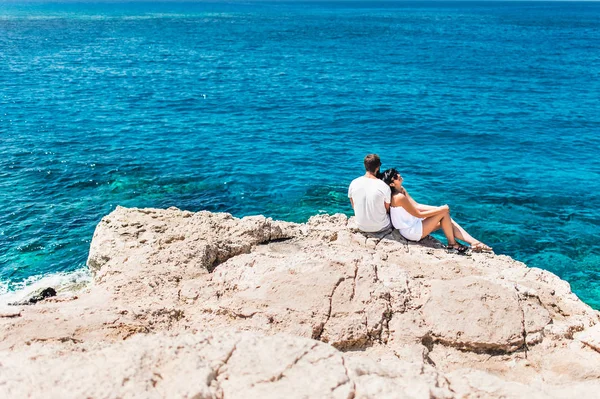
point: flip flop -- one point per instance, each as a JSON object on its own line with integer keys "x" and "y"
{"x": 481, "y": 247}
{"x": 457, "y": 248}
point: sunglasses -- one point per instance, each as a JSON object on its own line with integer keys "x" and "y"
{"x": 397, "y": 177}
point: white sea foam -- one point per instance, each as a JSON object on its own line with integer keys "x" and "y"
{"x": 92, "y": 17}
{"x": 63, "y": 283}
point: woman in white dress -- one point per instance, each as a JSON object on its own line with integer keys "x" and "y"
{"x": 416, "y": 221}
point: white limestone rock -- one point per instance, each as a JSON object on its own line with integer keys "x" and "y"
{"x": 172, "y": 289}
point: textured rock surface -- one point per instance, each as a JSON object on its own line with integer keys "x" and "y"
{"x": 206, "y": 305}
{"x": 227, "y": 364}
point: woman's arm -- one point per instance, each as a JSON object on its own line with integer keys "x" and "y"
{"x": 405, "y": 202}
{"x": 421, "y": 207}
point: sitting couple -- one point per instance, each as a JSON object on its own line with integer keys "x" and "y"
{"x": 375, "y": 194}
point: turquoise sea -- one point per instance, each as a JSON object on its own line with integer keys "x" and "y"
{"x": 269, "y": 108}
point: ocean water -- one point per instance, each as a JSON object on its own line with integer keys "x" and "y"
{"x": 269, "y": 108}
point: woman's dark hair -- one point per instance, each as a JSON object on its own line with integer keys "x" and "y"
{"x": 389, "y": 175}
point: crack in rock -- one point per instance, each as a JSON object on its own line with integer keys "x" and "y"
{"x": 317, "y": 335}
{"x": 449, "y": 385}
{"x": 354, "y": 280}
{"x": 57, "y": 339}
{"x": 279, "y": 376}
{"x": 217, "y": 372}
{"x": 481, "y": 348}
{"x": 386, "y": 319}
{"x": 524, "y": 329}
{"x": 352, "y": 393}
{"x": 430, "y": 339}
{"x": 225, "y": 249}
{"x": 235, "y": 314}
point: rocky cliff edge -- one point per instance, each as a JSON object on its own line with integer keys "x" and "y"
{"x": 205, "y": 305}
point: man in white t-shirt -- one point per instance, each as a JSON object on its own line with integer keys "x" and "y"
{"x": 370, "y": 198}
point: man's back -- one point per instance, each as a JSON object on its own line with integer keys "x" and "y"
{"x": 369, "y": 197}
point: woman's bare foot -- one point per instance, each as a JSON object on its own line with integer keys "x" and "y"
{"x": 478, "y": 246}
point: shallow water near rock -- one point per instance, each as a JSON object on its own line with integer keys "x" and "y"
{"x": 269, "y": 109}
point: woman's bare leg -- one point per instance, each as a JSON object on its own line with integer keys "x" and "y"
{"x": 426, "y": 207}
{"x": 462, "y": 235}
{"x": 442, "y": 220}
{"x": 459, "y": 232}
